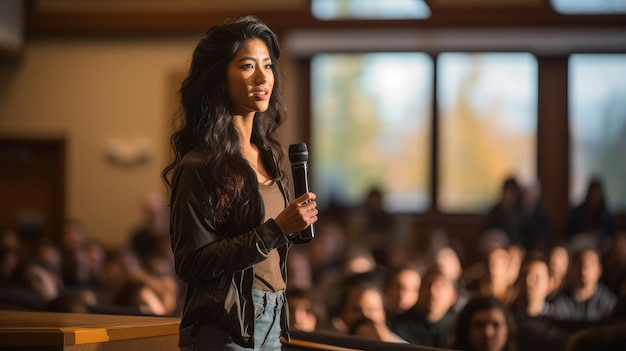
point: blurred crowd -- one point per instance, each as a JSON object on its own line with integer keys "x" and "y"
{"x": 518, "y": 288}
{"x": 76, "y": 273}
{"x": 522, "y": 289}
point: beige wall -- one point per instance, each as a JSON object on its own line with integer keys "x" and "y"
{"x": 95, "y": 92}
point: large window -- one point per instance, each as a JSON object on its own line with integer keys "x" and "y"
{"x": 487, "y": 105}
{"x": 371, "y": 127}
{"x": 597, "y": 105}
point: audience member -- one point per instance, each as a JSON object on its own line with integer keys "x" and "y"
{"x": 429, "y": 322}
{"x": 558, "y": 264}
{"x": 137, "y": 294}
{"x": 485, "y": 324}
{"x": 362, "y": 297}
{"x": 599, "y": 338}
{"x": 619, "y": 312}
{"x": 516, "y": 257}
{"x": 67, "y": 302}
{"x": 591, "y": 217}
{"x": 615, "y": 263}
{"x": 449, "y": 263}
{"x": 376, "y": 226}
{"x": 508, "y": 214}
{"x": 326, "y": 252}
{"x": 154, "y": 229}
{"x": 96, "y": 256}
{"x": 73, "y": 235}
{"x": 75, "y": 265}
{"x": 358, "y": 260}
{"x": 158, "y": 274}
{"x": 76, "y": 268}
{"x": 367, "y": 328}
{"x": 9, "y": 261}
{"x": 401, "y": 289}
{"x": 116, "y": 271}
{"x": 539, "y": 233}
{"x": 9, "y": 239}
{"x": 47, "y": 251}
{"x": 497, "y": 280}
{"x": 424, "y": 248}
{"x": 533, "y": 289}
{"x": 41, "y": 278}
{"x": 299, "y": 272}
{"x": 306, "y": 310}
{"x": 587, "y": 299}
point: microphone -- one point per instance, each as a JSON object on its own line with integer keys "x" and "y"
{"x": 298, "y": 155}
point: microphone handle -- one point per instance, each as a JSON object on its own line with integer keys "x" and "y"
{"x": 301, "y": 186}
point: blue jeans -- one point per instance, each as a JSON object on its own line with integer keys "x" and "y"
{"x": 267, "y": 310}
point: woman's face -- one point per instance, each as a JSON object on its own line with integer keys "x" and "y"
{"x": 250, "y": 78}
{"x": 488, "y": 330}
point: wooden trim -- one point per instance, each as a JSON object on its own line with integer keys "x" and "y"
{"x": 315, "y": 345}
{"x": 434, "y": 173}
{"x": 553, "y": 139}
{"x": 149, "y": 20}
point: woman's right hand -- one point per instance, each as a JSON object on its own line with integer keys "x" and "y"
{"x": 299, "y": 214}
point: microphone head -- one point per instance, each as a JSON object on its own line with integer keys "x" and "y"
{"x": 298, "y": 152}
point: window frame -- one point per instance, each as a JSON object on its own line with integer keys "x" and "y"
{"x": 552, "y": 148}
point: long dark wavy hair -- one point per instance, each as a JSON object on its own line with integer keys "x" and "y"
{"x": 204, "y": 122}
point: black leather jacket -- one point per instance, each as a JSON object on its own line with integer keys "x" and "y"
{"x": 217, "y": 260}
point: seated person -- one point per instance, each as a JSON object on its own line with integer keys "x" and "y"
{"x": 306, "y": 312}
{"x": 362, "y": 297}
{"x": 429, "y": 322}
{"x": 401, "y": 289}
{"x": 534, "y": 288}
{"x": 137, "y": 294}
{"x": 367, "y": 328}
{"x": 484, "y": 324}
{"x": 449, "y": 263}
{"x": 41, "y": 278}
{"x": 587, "y": 299}
{"x": 497, "y": 280}
{"x": 559, "y": 265}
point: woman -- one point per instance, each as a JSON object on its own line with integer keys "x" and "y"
{"x": 231, "y": 221}
{"x": 484, "y": 324}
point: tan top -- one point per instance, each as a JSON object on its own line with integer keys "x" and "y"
{"x": 269, "y": 269}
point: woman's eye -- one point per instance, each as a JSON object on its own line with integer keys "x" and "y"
{"x": 247, "y": 66}
{"x": 269, "y": 66}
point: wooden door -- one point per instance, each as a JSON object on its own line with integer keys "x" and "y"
{"x": 32, "y": 185}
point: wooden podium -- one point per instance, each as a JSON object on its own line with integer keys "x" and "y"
{"x": 37, "y": 331}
